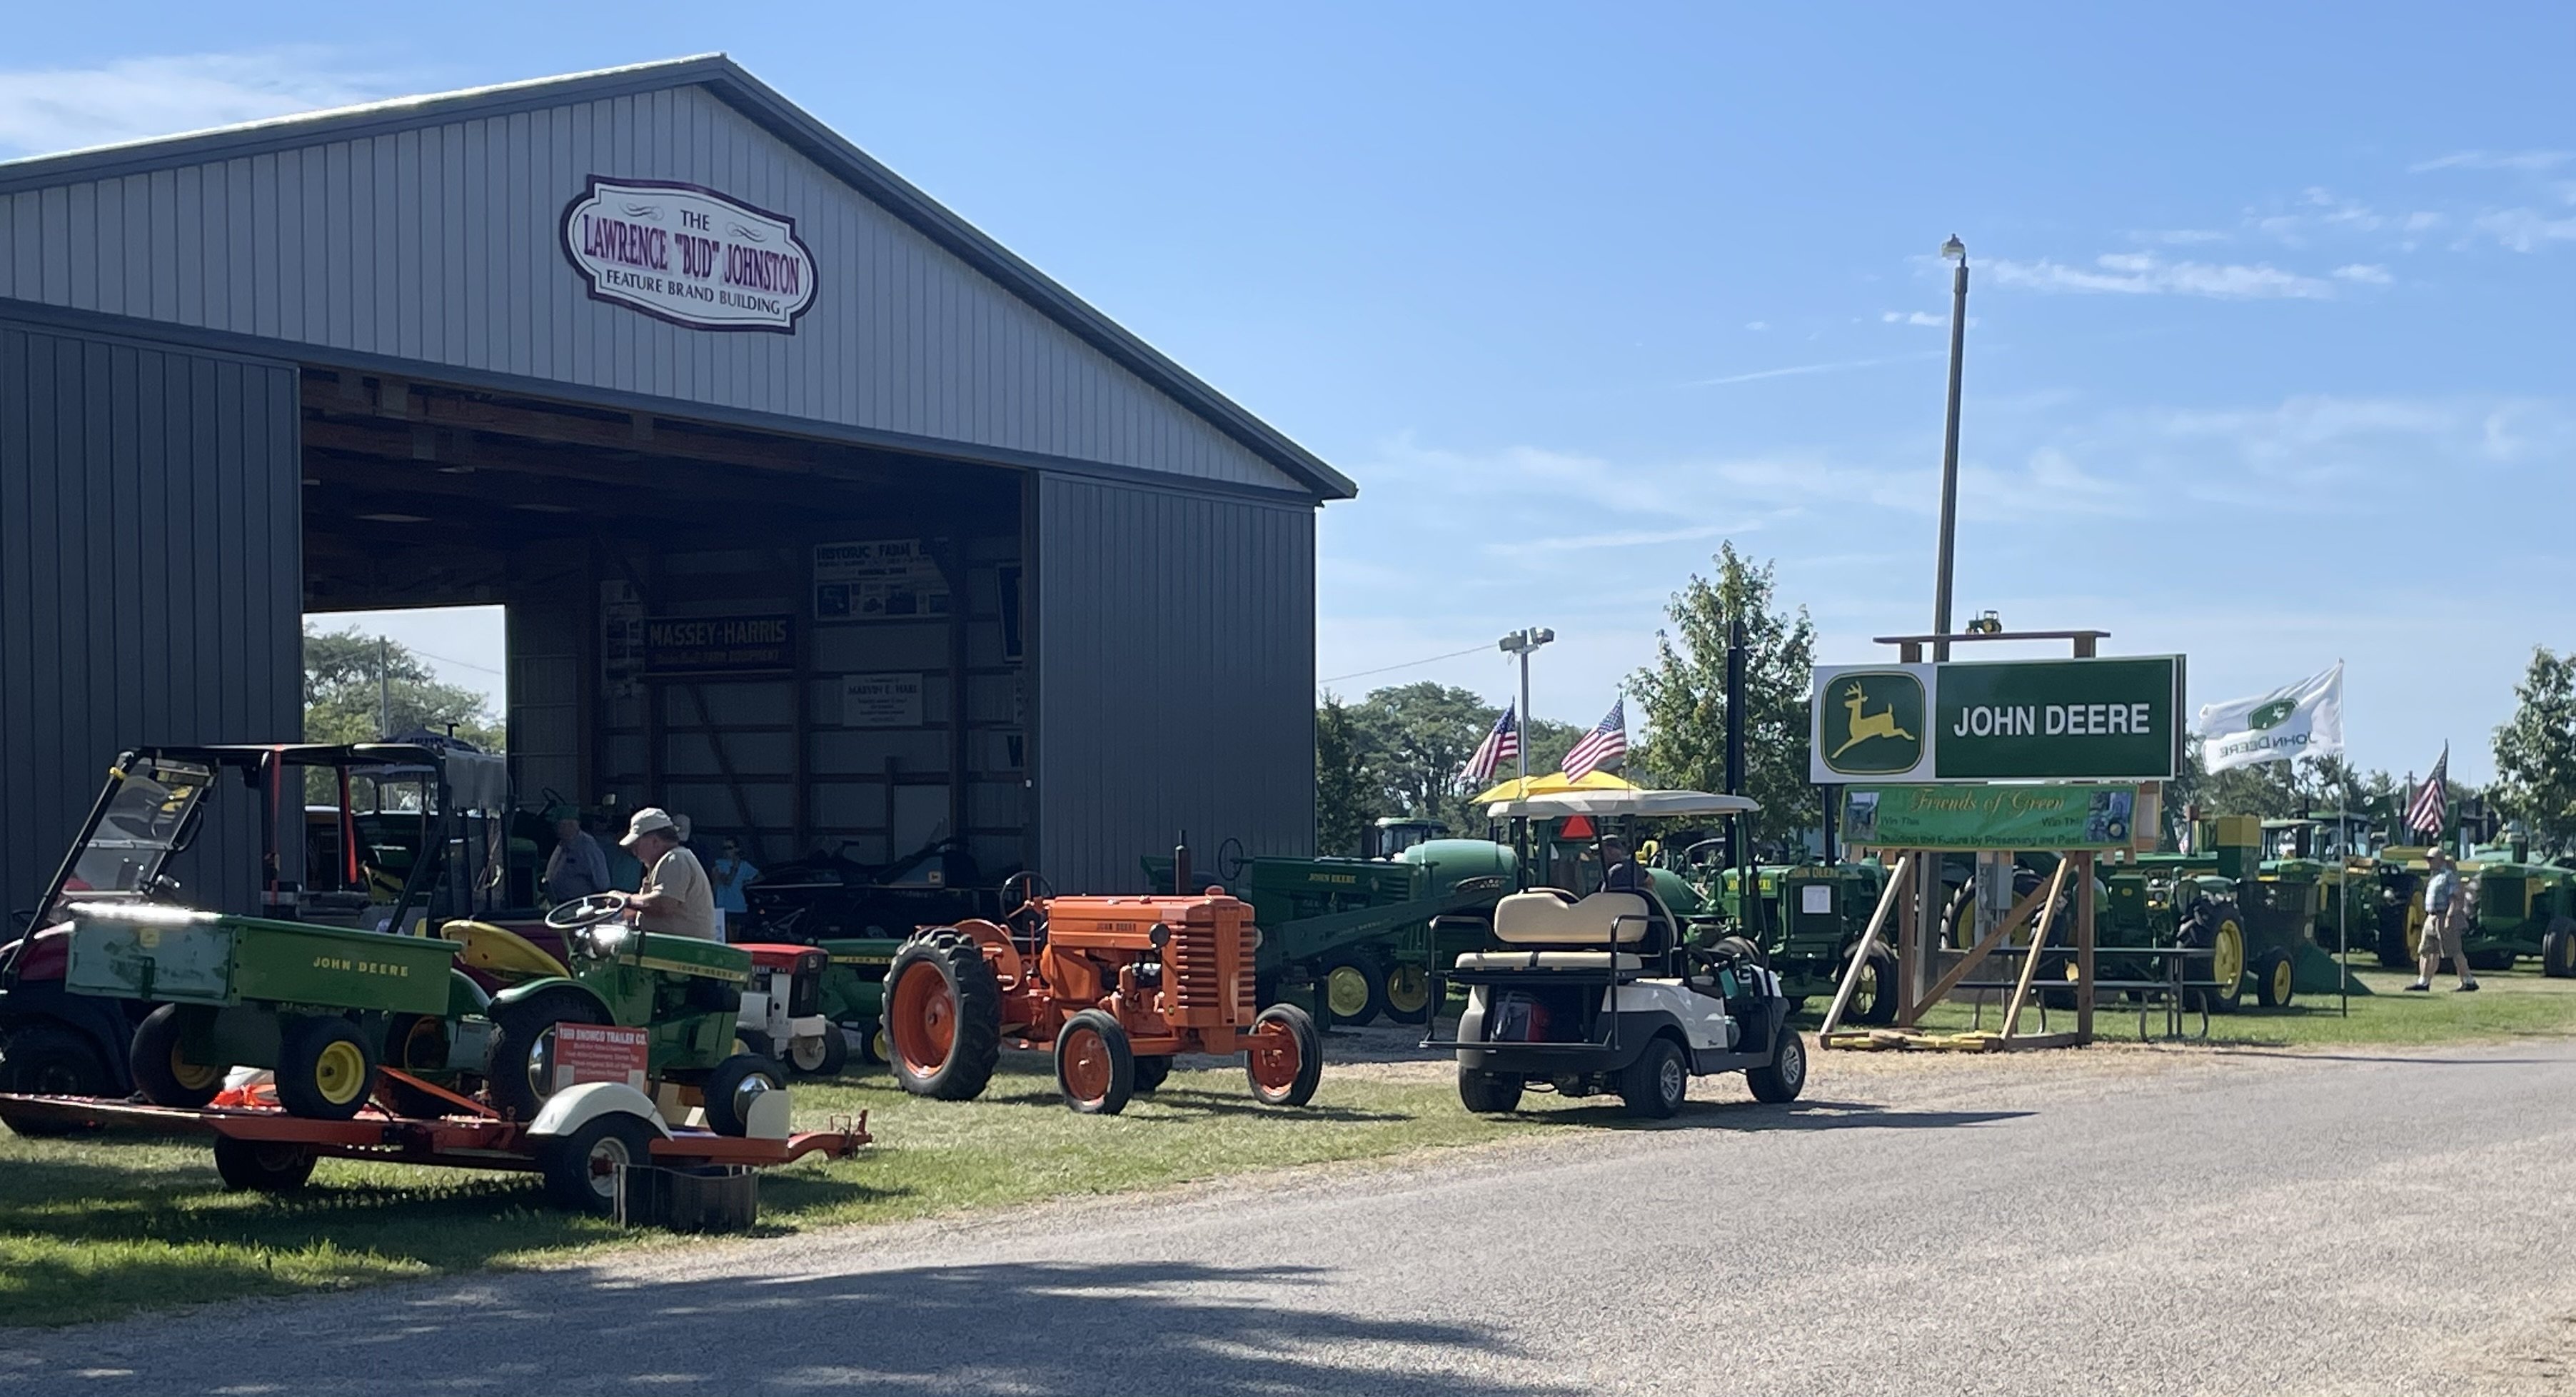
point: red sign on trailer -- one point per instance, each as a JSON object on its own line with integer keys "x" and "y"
{"x": 599, "y": 1053}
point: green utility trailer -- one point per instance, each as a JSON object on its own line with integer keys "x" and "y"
{"x": 1360, "y": 937}
{"x": 309, "y": 1002}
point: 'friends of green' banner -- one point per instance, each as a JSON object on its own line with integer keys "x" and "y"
{"x": 1990, "y": 817}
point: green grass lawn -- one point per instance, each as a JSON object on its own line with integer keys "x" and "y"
{"x": 91, "y": 1229}
{"x": 2509, "y": 1004}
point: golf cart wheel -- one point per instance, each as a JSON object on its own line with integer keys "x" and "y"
{"x": 580, "y": 1169}
{"x": 2273, "y": 977}
{"x": 2396, "y": 952}
{"x": 1488, "y": 1093}
{"x": 823, "y": 1055}
{"x": 1785, "y": 1075}
{"x": 1151, "y": 1073}
{"x": 1408, "y": 993}
{"x": 943, "y": 1017}
{"x": 1654, "y": 1086}
{"x": 49, "y": 1061}
{"x": 1874, "y": 998}
{"x": 1094, "y": 1066}
{"x": 325, "y": 1070}
{"x": 1287, "y": 1062}
{"x": 262, "y": 1166}
{"x": 417, "y": 1043}
{"x": 522, "y": 1035}
{"x": 735, "y": 1083}
{"x": 2557, "y": 950}
{"x": 162, "y": 1069}
{"x": 1354, "y": 988}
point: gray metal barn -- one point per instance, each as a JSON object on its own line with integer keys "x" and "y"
{"x": 819, "y": 515}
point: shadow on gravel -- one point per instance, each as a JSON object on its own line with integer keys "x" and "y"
{"x": 1066, "y": 1329}
{"x": 1608, "y": 1114}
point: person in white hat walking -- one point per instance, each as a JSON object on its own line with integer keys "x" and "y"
{"x": 676, "y": 899}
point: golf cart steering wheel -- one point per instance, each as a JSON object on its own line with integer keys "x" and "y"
{"x": 1028, "y": 882}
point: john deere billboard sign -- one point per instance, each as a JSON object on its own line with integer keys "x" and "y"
{"x": 1990, "y": 817}
{"x": 2013, "y": 720}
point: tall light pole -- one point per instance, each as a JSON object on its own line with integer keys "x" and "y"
{"x": 1521, "y": 643}
{"x": 1953, "y": 251}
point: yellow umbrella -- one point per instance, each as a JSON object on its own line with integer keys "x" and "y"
{"x": 1554, "y": 783}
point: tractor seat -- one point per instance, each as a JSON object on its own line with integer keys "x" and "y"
{"x": 1548, "y": 917}
{"x": 1547, "y": 960}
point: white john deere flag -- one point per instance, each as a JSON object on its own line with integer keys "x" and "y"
{"x": 2303, "y": 720}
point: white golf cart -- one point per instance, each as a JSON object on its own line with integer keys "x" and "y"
{"x": 1605, "y": 992}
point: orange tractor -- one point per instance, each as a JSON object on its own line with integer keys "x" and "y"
{"x": 1117, "y": 985}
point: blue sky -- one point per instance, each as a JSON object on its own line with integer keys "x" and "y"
{"x": 2267, "y": 355}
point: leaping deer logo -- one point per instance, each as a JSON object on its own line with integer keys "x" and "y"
{"x": 1865, "y": 726}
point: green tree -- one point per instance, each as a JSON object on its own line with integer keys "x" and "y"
{"x": 1342, "y": 813}
{"x": 343, "y": 700}
{"x": 1682, "y": 696}
{"x": 1413, "y": 741}
{"x": 2535, "y": 753}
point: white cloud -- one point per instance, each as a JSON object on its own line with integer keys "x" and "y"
{"x": 1757, "y": 325}
{"x": 2146, "y": 274}
{"x": 1795, "y": 370}
{"x": 2525, "y": 160}
{"x": 2180, "y": 237}
{"x": 2524, "y": 230}
{"x": 55, "y": 109}
{"x": 2364, "y": 273}
{"x": 1912, "y": 317}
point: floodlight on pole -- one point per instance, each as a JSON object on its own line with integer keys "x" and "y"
{"x": 1521, "y": 643}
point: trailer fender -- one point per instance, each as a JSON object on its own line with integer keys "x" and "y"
{"x": 578, "y": 1105}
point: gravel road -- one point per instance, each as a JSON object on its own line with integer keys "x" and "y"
{"x": 2101, "y": 1222}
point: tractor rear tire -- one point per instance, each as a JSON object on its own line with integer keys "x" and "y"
{"x": 1781, "y": 1079}
{"x": 1874, "y": 999}
{"x": 2215, "y": 923}
{"x": 1488, "y": 1093}
{"x": 2394, "y": 953}
{"x": 580, "y": 1169}
{"x": 1353, "y": 986}
{"x": 43, "y": 1060}
{"x": 729, "y": 1090}
{"x": 518, "y": 1038}
{"x": 2274, "y": 979}
{"x": 1286, "y": 1069}
{"x": 325, "y": 1070}
{"x": 1095, "y": 1068}
{"x": 262, "y": 1166}
{"x": 1655, "y": 1085}
{"x": 1408, "y": 993}
{"x": 943, "y": 1017}
{"x": 2558, "y": 949}
{"x": 1151, "y": 1073}
{"x": 163, "y": 1073}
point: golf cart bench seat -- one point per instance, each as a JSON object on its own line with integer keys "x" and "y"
{"x": 1546, "y": 960}
{"x": 1549, "y": 917}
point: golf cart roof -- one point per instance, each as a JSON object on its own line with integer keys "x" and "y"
{"x": 475, "y": 780}
{"x": 1622, "y": 802}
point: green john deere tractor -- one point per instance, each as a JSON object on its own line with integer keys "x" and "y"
{"x": 1807, "y": 919}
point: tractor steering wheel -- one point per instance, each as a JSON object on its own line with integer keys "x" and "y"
{"x": 1028, "y": 882}
{"x": 584, "y": 912}
{"x": 1230, "y": 861}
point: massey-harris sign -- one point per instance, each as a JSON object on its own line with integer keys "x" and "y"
{"x": 689, "y": 255}
{"x": 2064, "y": 720}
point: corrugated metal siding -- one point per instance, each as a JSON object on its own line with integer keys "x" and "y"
{"x": 1176, "y": 670}
{"x": 151, "y": 580}
{"x": 442, "y": 244}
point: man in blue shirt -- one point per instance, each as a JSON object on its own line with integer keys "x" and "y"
{"x": 729, "y": 875}
{"x": 2446, "y": 919}
{"x": 578, "y": 867}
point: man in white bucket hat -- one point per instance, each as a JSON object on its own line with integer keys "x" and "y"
{"x": 677, "y": 899}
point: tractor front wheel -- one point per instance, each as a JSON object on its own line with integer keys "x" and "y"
{"x": 1286, "y": 1062}
{"x": 325, "y": 1070}
{"x": 943, "y": 1017}
{"x": 1095, "y": 1067}
{"x": 2558, "y": 949}
{"x": 163, "y": 1071}
{"x": 522, "y": 1040}
{"x": 733, "y": 1086}
{"x": 821, "y": 1056}
{"x": 1408, "y": 993}
{"x": 2396, "y": 950}
{"x": 48, "y": 1061}
{"x": 1354, "y": 989}
{"x": 418, "y": 1043}
{"x": 1151, "y": 1073}
{"x": 262, "y": 1166}
{"x": 2273, "y": 977}
{"x": 1874, "y": 998}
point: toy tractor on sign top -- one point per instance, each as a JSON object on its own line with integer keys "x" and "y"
{"x": 1116, "y": 986}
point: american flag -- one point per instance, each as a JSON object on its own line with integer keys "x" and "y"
{"x": 1501, "y": 745}
{"x": 1606, "y": 743}
{"x": 2432, "y": 800}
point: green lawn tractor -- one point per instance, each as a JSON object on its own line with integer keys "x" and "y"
{"x": 687, "y": 994}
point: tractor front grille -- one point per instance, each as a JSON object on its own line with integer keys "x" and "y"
{"x": 1208, "y": 972}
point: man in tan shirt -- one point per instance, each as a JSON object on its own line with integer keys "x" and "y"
{"x": 677, "y": 899}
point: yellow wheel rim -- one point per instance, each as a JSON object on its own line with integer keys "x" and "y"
{"x": 2281, "y": 983}
{"x": 1346, "y": 990}
{"x": 340, "y": 1072}
{"x": 2414, "y": 930}
{"x": 191, "y": 1075}
{"x": 2227, "y": 961}
{"x": 1407, "y": 989}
